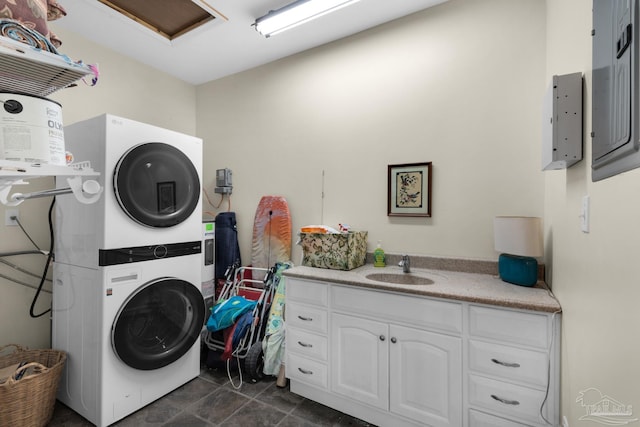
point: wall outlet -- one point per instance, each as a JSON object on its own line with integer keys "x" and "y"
{"x": 8, "y": 214}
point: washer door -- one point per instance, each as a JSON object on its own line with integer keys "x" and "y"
{"x": 156, "y": 184}
{"x": 158, "y": 323}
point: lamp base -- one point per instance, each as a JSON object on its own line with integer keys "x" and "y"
{"x": 519, "y": 270}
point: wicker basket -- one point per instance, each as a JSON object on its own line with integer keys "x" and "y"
{"x": 30, "y": 400}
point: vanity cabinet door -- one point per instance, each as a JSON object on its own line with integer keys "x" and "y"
{"x": 411, "y": 372}
{"x": 425, "y": 376}
{"x": 360, "y": 359}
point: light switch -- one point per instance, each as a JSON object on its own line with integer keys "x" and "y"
{"x": 584, "y": 214}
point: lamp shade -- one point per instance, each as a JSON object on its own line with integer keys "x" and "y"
{"x": 518, "y": 235}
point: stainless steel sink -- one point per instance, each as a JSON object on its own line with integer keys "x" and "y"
{"x": 399, "y": 278}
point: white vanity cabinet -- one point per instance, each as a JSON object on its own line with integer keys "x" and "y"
{"x": 387, "y": 351}
{"x": 392, "y": 359}
{"x": 407, "y": 371}
{"x": 306, "y": 319}
{"x": 512, "y": 367}
{"x": 398, "y": 359}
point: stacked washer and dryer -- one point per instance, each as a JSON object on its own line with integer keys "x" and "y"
{"x": 127, "y": 303}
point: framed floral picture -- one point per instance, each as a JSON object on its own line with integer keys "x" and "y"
{"x": 409, "y": 190}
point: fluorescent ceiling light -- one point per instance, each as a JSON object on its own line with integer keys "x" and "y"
{"x": 296, "y": 13}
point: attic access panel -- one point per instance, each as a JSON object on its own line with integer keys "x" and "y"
{"x": 169, "y": 18}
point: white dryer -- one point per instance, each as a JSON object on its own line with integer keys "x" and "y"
{"x": 132, "y": 333}
{"x": 127, "y": 301}
{"x": 151, "y": 178}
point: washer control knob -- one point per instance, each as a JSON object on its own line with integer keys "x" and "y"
{"x": 160, "y": 251}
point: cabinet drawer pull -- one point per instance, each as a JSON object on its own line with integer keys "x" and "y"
{"x": 382, "y": 338}
{"x": 306, "y": 372}
{"x": 507, "y": 364}
{"x": 306, "y": 319}
{"x": 505, "y": 401}
{"x": 394, "y": 340}
{"x": 304, "y": 344}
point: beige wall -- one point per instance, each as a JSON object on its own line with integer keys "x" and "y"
{"x": 459, "y": 85}
{"x": 126, "y": 88}
{"x": 593, "y": 275}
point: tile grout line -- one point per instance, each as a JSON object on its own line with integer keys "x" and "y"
{"x": 254, "y": 399}
{"x": 185, "y": 409}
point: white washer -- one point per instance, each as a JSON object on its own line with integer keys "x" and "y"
{"x": 152, "y": 183}
{"x": 127, "y": 301}
{"x": 131, "y": 331}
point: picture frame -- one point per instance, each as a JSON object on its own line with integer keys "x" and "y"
{"x": 409, "y": 190}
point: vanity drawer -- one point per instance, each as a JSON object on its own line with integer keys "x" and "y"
{"x": 412, "y": 310}
{"x": 306, "y": 370}
{"x": 510, "y": 326}
{"x": 511, "y": 363}
{"x": 480, "y": 419}
{"x": 507, "y": 399}
{"x": 315, "y": 293}
{"x": 306, "y": 317}
{"x": 306, "y": 343}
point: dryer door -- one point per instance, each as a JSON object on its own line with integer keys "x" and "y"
{"x": 156, "y": 184}
{"x": 158, "y": 323}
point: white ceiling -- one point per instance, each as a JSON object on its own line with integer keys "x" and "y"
{"x": 224, "y": 47}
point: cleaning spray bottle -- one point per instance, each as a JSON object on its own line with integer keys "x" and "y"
{"x": 378, "y": 256}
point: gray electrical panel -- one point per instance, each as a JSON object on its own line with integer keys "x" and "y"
{"x": 562, "y": 122}
{"x": 614, "y": 137}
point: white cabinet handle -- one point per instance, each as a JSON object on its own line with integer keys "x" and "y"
{"x": 507, "y": 364}
{"x": 306, "y": 319}
{"x": 304, "y": 371}
{"x": 304, "y": 344}
{"x": 505, "y": 401}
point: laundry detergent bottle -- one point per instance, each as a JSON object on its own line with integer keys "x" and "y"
{"x": 378, "y": 256}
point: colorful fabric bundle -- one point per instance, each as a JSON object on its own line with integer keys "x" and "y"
{"x": 34, "y": 15}
{"x": 15, "y": 30}
{"x": 234, "y": 334}
{"x": 273, "y": 344}
{"x": 225, "y": 313}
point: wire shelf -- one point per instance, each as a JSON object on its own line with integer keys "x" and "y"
{"x": 25, "y": 69}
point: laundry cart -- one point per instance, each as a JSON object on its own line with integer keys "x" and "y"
{"x": 237, "y": 323}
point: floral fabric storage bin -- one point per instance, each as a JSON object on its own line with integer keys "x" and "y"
{"x": 343, "y": 251}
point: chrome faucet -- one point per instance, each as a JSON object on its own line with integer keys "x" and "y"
{"x": 405, "y": 263}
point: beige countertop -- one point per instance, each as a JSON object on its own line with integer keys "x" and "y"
{"x": 455, "y": 285}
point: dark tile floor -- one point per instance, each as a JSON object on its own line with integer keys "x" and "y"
{"x": 211, "y": 400}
